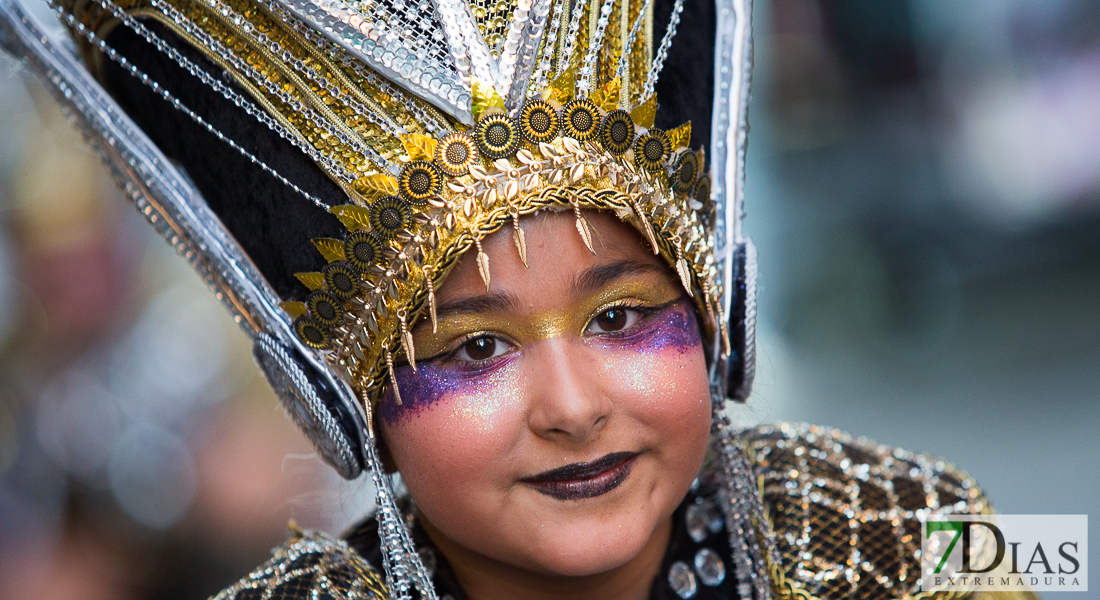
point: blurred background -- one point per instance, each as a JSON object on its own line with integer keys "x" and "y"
{"x": 924, "y": 191}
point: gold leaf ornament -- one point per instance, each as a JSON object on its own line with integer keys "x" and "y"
{"x": 332, "y": 250}
{"x": 375, "y": 186}
{"x": 525, "y": 157}
{"x": 478, "y": 172}
{"x": 519, "y": 238}
{"x": 563, "y": 87}
{"x": 582, "y": 228}
{"x": 431, "y": 297}
{"x": 681, "y": 136}
{"x": 483, "y": 264}
{"x": 407, "y": 340}
{"x": 313, "y": 281}
{"x": 644, "y": 113}
{"x": 355, "y": 218}
{"x": 393, "y": 377}
{"x": 485, "y": 96}
{"x": 419, "y": 146}
{"x": 294, "y": 309}
{"x": 607, "y": 97}
{"x": 682, "y": 269}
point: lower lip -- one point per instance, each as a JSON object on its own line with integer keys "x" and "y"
{"x": 578, "y": 489}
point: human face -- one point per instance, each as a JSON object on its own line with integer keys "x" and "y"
{"x": 555, "y": 422}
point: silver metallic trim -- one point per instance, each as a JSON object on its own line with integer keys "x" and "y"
{"x": 304, "y": 406}
{"x": 382, "y": 48}
{"x": 468, "y": 46}
{"x": 729, "y": 139}
{"x": 520, "y": 51}
{"x": 170, "y": 203}
{"x": 748, "y": 373}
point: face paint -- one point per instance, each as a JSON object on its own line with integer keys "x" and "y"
{"x": 569, "y": 319}
{"x": 431, "y": 383}
{"x": 671, "y": 328}
{"x": 602, "y": 356}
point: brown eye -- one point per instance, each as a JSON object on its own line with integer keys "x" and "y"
{"x": 482, "y": 348}
{"x": 612, "y": 320}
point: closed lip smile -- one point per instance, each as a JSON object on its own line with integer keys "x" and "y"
{"x": 577, "y": 481}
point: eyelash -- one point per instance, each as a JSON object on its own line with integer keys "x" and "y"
{"x": 645, "y": 312}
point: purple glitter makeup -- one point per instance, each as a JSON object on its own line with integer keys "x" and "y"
{"x": 431, "y": 383}
{"x": 674, "y": 327}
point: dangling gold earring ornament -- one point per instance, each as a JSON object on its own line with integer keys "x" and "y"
{"x": 519, "y": 238}
{"x": 406, "y": 339}
{"x": 683, "y": 269}
{"x": 431, "y": 297}
{"x": 582, "y": 226}
{"x": 393, "y": 377}
{"x": 482, "y": 263}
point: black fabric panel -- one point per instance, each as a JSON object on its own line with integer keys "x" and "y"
{"x": 273, "y": 223}
{"x": 685, "y": 88}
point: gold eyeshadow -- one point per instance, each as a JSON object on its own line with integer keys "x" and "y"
{"x": 570, "y": 319}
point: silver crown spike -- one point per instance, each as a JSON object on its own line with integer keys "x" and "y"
{"x": 414, "y": 62}
{"x": 516, "y": 65}
{"x": 466, "y": 41}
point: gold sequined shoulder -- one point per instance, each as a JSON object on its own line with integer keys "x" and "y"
{"x": 846, "y": 511}
{"x": 310, "y": 565}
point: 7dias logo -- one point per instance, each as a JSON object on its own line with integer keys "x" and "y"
{"x": 1005, "y": 553}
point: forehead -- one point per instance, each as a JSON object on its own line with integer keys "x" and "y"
{"x": 557, "y": 259}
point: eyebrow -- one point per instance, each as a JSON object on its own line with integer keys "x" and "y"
{"x": 594, "y": 278}
{"x": 494, "y": 302}
{"x": 587, "y": 282}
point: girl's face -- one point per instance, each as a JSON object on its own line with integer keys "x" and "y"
{"x": 556, "y": 421}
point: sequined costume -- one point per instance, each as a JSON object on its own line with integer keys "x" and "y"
{"x": 324, "y": 164}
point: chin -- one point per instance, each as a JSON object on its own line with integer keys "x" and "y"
{"x": 583, "y": 549}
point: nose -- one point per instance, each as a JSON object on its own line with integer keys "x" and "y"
{"x": 567, "y": 402}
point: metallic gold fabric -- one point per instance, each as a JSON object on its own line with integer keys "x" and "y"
{"x": 845, "y": 512}
{"x": 310, "y": 565}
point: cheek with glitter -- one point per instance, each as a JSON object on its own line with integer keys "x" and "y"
{"x": 674, "y": 328}
{"x": 431, "y": 384}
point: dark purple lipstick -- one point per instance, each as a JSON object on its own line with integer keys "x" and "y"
{"x": 584, "y": 480}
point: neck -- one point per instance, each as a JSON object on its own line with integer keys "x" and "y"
{"x": 485, "y": 578}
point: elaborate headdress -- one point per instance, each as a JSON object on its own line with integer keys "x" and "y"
{"x": 339, "y": 156}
